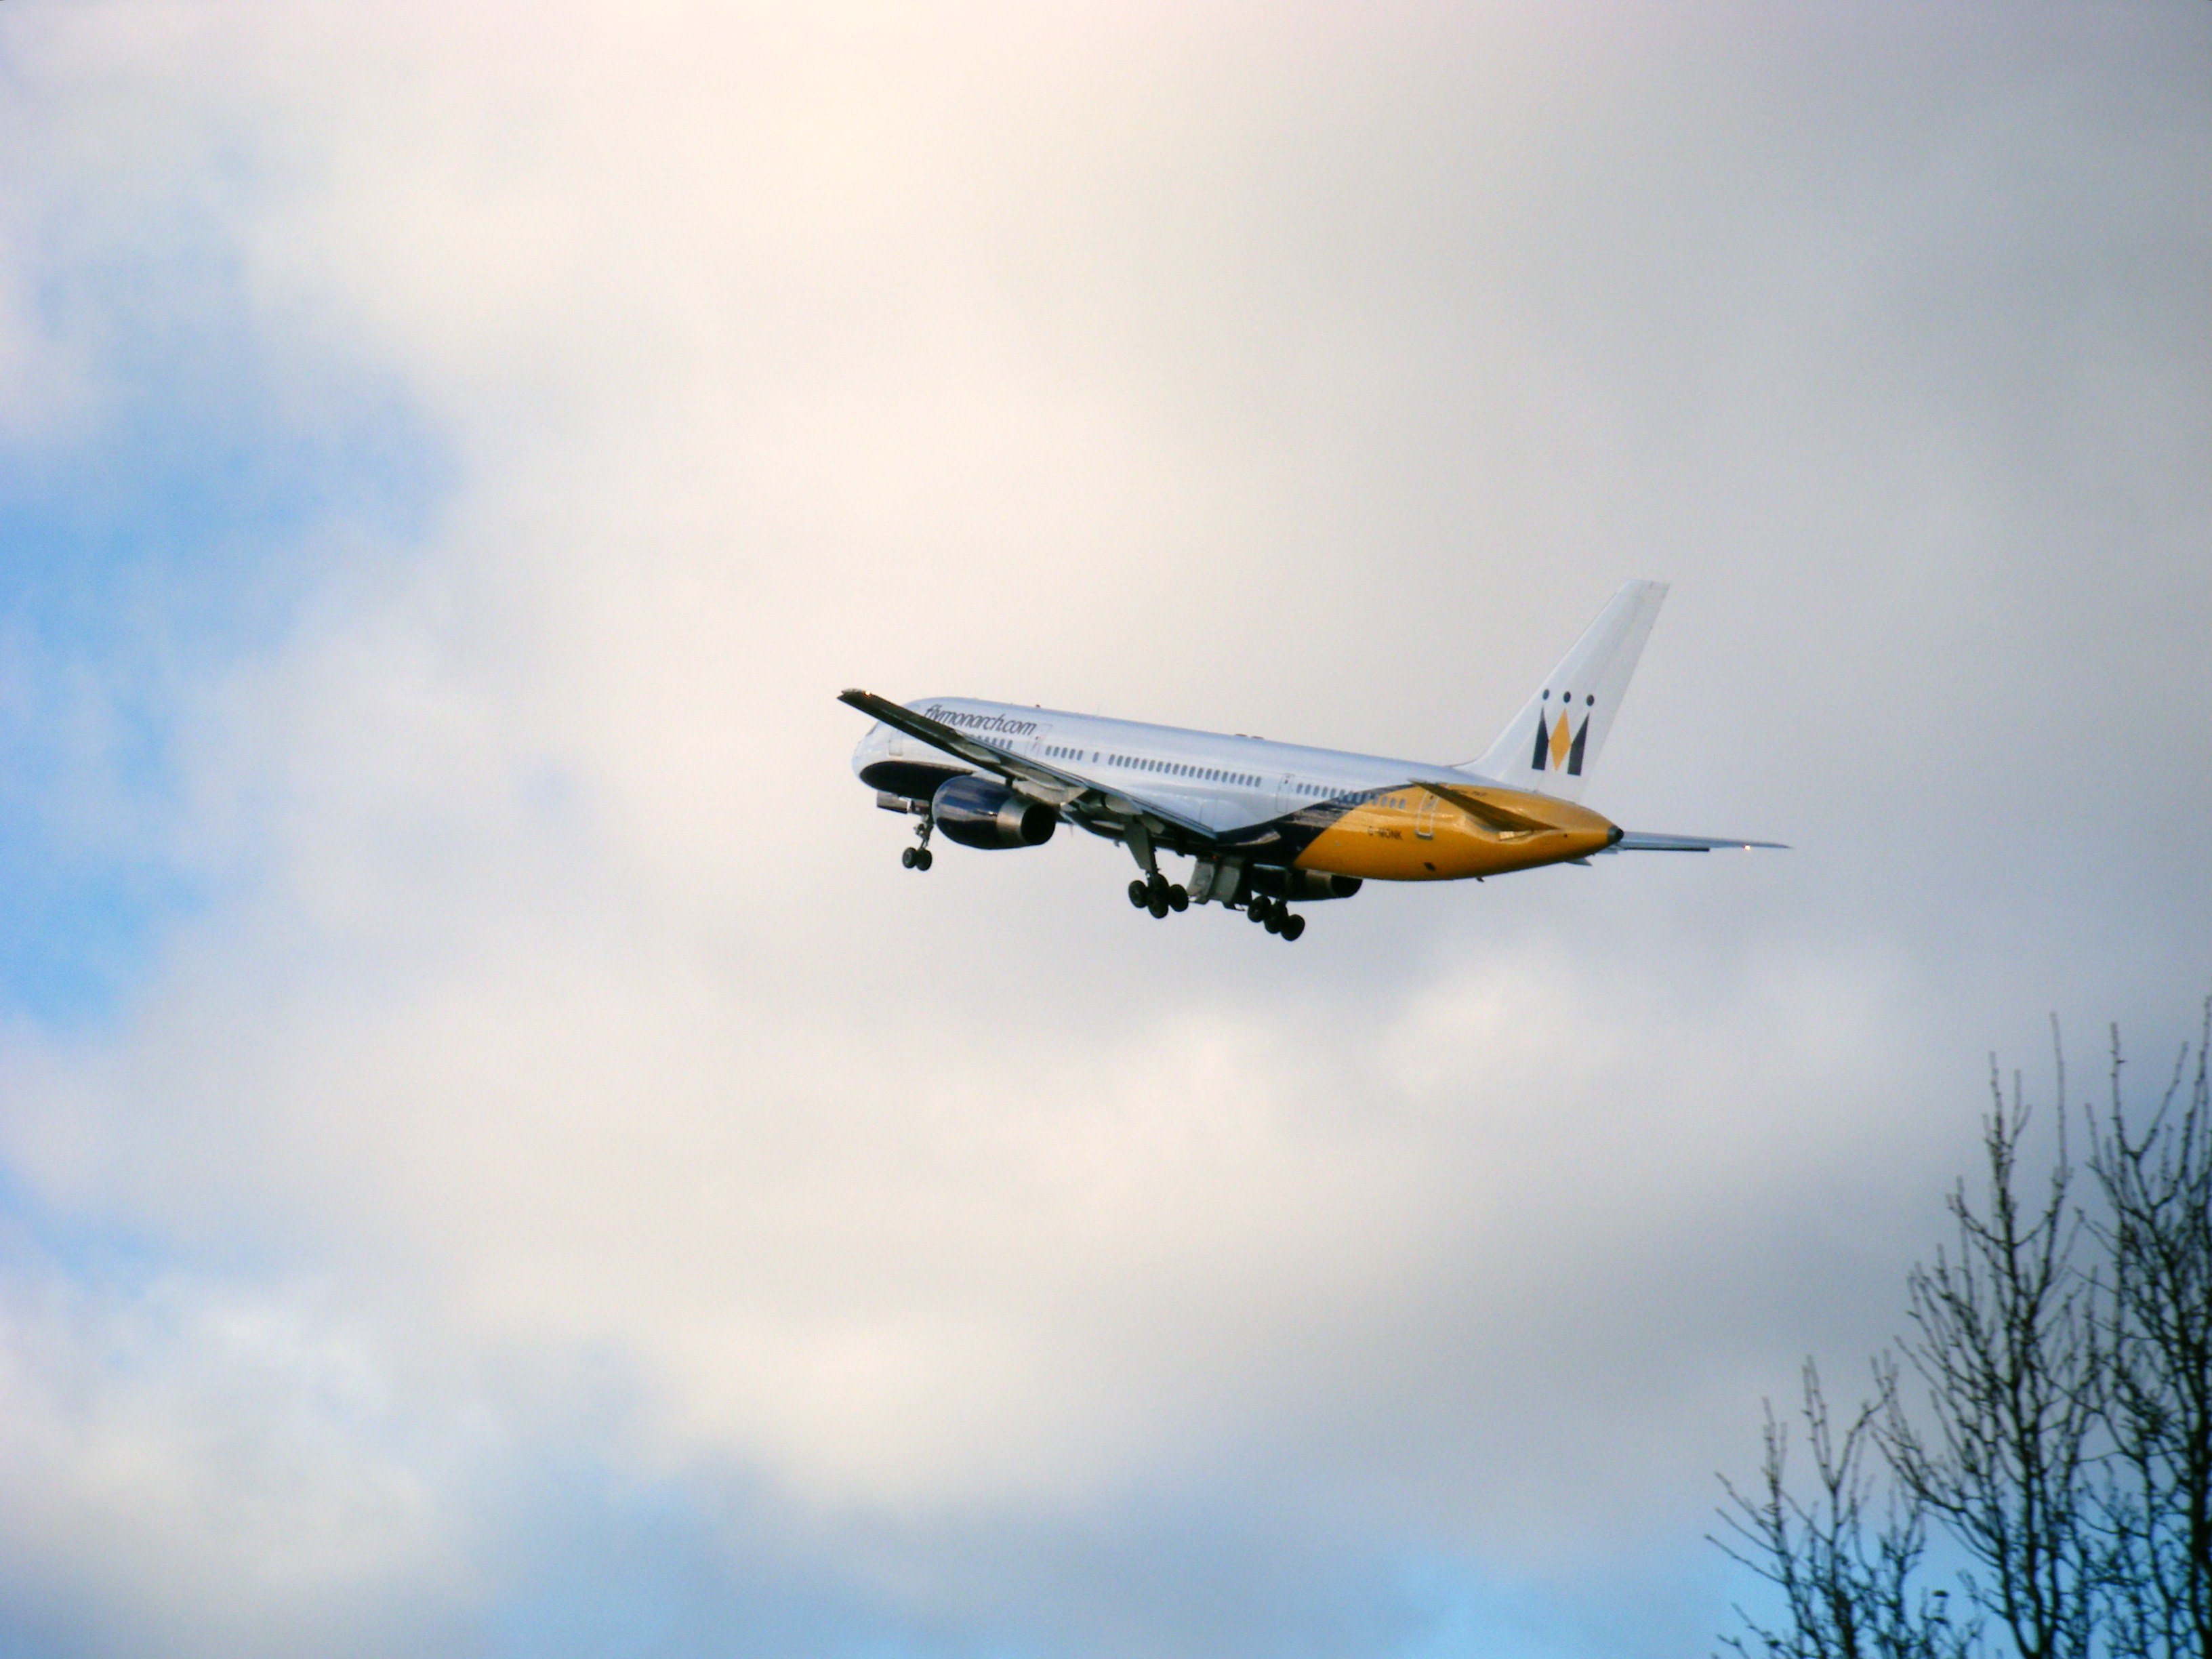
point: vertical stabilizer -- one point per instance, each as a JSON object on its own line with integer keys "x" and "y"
{"x": 1552, "y": 744}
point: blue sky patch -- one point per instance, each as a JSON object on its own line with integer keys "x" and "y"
{"x": 182, "y": 533}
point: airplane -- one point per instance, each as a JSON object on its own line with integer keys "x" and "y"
{"x": 1268, "y": 826}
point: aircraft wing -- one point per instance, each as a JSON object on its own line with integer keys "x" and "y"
{"x": 1643, "y": 840}
{"x": 1048, "y": 783}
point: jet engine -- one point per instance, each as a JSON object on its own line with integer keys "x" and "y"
{"x": 1308, "y": 886}
{"x": 979, "y": 812}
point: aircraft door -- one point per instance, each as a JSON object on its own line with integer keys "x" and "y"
{"x": 1425, "y": 816}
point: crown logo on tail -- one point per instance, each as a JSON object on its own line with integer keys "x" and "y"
{"x": 1559, "y": 743}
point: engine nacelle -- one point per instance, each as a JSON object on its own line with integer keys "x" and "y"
{"x": 1306, "y": 886}
{"x": 978, "y": 813}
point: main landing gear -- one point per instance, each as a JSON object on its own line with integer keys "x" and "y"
{"x": 1274, "y": 915}
{"x": 1154, "y": 892}
{"x": 1159, "y": 895}
{"x": 920, "y": 858}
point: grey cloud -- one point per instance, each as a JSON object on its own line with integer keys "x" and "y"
{"x": 566, "y": 1007}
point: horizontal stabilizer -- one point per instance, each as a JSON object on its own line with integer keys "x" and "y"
{"x": 1643, "y": 840}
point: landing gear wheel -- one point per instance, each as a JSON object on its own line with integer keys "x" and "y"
{"x": 1274, "y": 923}
{"x": 923, "y": 858}
{"x": 906, "y": 856}
{"x": 1178, "y": 900}
{"x": 1257, "y": 910}
{"x": 1293, "y": 926}
{"x": 1140, "y": 893}
{"x": 1159, "y": 907}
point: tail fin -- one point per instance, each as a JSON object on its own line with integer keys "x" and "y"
{"x": 1551, "y": 745}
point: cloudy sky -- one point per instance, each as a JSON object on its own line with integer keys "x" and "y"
{"x": 496, "y": 1156}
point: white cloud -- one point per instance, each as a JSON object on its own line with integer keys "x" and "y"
{"x": 561, "y": 1013}
{"x": 218, "y": 1469}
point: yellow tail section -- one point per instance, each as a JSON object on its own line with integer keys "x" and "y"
{"x": 1444, "y": 832}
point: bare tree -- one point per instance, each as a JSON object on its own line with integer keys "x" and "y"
{"x": 2007, "y": 1340}
{"x": 1844, "y": 1566}
{"x": 2046, "y": 1417}
{"x": 2156, "y": 1224}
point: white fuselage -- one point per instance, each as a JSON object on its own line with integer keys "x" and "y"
{"x": 1222, "y": 780}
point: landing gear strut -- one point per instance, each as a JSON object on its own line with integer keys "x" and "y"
{"x": 1152, "y": 890}
{"x": 920, "y": 857}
